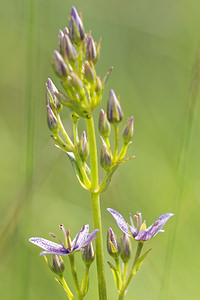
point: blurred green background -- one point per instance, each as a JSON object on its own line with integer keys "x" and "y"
{"x": 153, "y": 46}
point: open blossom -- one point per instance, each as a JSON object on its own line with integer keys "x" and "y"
{"x": 139, "y": 230}
{"x": 81, "y": 240}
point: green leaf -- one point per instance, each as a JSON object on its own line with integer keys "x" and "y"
{"x": 116, "y": 276}
{"x": 139, "y": 262}
{"x": 104, "y": 184}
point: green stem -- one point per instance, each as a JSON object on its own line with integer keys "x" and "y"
{"x": 67, "y": 289}
{"x": 85, "y": 281}
{"x": 137, "y": 255}
{"x": 95, "y": 198}
{"x": 116, "y": 128}
{"x": 64, "y": 133}
{"x": 124, "y": 273}
{"x": 75, "y": 277}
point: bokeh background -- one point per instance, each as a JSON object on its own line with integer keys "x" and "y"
{"x": 154, "y": 48}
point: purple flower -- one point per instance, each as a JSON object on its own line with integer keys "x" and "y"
{"x": 140, "y": 232}
{"x": 81, "y": 240}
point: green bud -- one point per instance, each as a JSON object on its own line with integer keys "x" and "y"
{"x": 128, "y": 131}
{"x": 51, "y": 97}
{"x": 105, "y": 159}
{"x": 98, "y": 86}
{"x": 76, "y": 82}
{"x": 125, "y": 248}
{"x": 90, "y": 74}
{"x": 83, "y": 147}
{"x": 88, "y": 255}
{"x": 57, "y": 265}
{"x": 104, "y": 125}
{"x": 114, "y": 111}
{"x": 59, "y": 65}
{"x": 70, "y": 53}
{"x": 52, "y": 120}
{"x": 112, "y": 243}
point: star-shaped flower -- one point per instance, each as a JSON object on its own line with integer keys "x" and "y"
{"x": 81, "y": 240}
{"x": 140, "y": 232}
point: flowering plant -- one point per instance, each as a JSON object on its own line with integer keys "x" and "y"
{"x": 74, "y": 63}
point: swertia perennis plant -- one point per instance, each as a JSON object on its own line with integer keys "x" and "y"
{"x": 74, "y": 64}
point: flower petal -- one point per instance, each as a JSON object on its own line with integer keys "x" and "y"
{"x": 156, "y": 227}
{"x": 91, "y": 236}
{"x": 120, "y": 221}
{"x": 80, "y": 237}
{"x": 51, "y": 247}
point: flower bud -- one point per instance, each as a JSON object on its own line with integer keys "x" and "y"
{"x": 112, "y": 243}
{"x": 105, "y": 159}
{"x": 88, "y": 255}
{"x": 98, "y": 86}
{"x": 91, "y": 51}
{"x": 128, "y": 131}
{"x": 51, "y": 97}
{"x": 83, "y": 147}
{"x": 60, "y": 41}
{"x": 52, "y": 120}
{"x": 76, "y": 82}
{"x": 125, "y": 248}
{"x": 57, "y": 265}
{"x": 90, "y": 74}
{"x": 76, "y": 29}
{"x": 114, "y": 111}
{"x": 104, "y": 125}
{"x": 59, "y": 65}
{"x": 70, "y": 53}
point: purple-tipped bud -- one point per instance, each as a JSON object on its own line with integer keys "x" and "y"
{"x": 90, "y": 74}
{"x": 88, "y": 255}
{"x": 70, "y": 53}
{"x": 91, "y": 51}
{"x": 52, "y": 120}
{"x": 83, "y": 147}
{"x": 59, "y": 65}
{"x": 112, "y": 243}
{"x": 76, "y": 29}
{"x": 128, "y": 131}
{"x": 76, "y": 82}
{"x": 114, "y": 111}
{"x": 60, "y": 41}
{"x": 104, "y": 125}
{"x": 66, "y": 31}
{"x": 125, "y": 248}
{"x": 57, "y": 265}
{"x": 51, "y": 97}
{"x": 105, "y": 159}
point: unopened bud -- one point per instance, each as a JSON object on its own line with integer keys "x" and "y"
{"x": 51, "y": 97}
{"x": 91, "y": 51}
{"x": 112, "y": 243}
{"x": 76, "y": 82}
{"x": 60, "y": 41}
{"x": 88, "y": 255}
{"x": 70, "y": 53}
{"x": 114, "y": 111}
{"x": 98, "y": 86}
{"x": 105, "y": 159}
{"x": 76, "y": 29}
{"x": 104, "y": 125}
{"x": 57, "y": 265}
{"x": 59, "y": 65}
{"x": 125, "y": 248}
{"x": 128, "y": 131}
{"x": 90, "y": 74}
{"x": 52, "y": 120}
{"x": 83, "y": 147}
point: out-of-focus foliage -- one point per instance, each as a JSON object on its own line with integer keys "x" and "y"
{"x": 153, "y": 46}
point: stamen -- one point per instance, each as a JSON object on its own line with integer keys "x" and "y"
{"x": 68, "y": 240}
{"x": 54, "y": 236}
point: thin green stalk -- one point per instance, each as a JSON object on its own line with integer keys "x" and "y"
{"x": 85, "y": 281}
{"x": 137, "y": 255}
{"x": 95, "y": 198}
{"x": 116, "y": 128}
{"x": 124, "y": 275}
{"x": 75, "y": 277}
{"x": 67, "y": 289}
{"x": 64, "y": 133}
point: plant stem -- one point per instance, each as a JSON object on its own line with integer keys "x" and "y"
{"x": 116, "y": 128}
{"x": 137, "y": 255}
{"x": 67, "y": 289}
{"x": 95, "y": 198}
{"x": 75, "y": 277}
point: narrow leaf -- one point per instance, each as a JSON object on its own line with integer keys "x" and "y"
{"x": 139, "y": 262}
{"x": 116, "y": 276}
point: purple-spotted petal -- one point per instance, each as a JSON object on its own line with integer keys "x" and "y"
{"x": 50, "y": 247}
{"x": 91, "y": 236}
{"x": 80, "y": 237}
{"x": 120, "y": 221}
